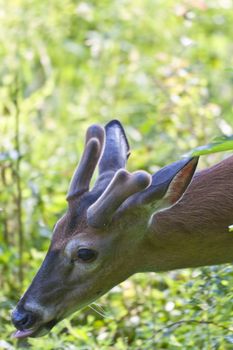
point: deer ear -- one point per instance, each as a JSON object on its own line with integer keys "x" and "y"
{"x": 179, "y": 177}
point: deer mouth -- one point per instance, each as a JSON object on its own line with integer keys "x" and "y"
{"x": 36, "y": 331}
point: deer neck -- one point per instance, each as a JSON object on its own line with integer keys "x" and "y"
{"x": 195, "y": 231}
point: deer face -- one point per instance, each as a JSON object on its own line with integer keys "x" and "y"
{"x": 103, "y": 237}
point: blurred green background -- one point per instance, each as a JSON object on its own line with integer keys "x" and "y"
{"x": 164, "y": 69}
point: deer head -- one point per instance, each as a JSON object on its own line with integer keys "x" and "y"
{"x": 104, "y": 236}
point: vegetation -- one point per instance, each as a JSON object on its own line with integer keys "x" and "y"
{"x": 164, "y": 69}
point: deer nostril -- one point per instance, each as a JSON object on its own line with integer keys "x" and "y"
{"x": 23, "y": 319}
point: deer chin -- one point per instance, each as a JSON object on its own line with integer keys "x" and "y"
{"x": 35, "y": 332}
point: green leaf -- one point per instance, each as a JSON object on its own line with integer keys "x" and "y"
{"x": 220, "y": 144}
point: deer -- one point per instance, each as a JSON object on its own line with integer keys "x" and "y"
{"x": 124, "y": 224}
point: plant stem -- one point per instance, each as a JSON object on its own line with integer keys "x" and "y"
{"x": 19, "y": 187}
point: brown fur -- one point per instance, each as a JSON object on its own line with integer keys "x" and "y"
{"x": 197, "y": 226}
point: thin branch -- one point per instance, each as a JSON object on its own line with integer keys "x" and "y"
{"x": 3, "y": 211}
{"x": 18, "y": 182}
{"x": 202, "y": 322}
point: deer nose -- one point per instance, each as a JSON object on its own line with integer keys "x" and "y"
{"x": 23, "y": 319}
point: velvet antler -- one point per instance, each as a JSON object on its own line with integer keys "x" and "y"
{"x": 115, "y": 154}
{"x": 116, "y": 190}
{"x": 82, "y": 176}
{"x": 120, "y": 188}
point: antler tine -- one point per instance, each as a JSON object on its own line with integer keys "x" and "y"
{"x": 93, "y": 147}
{"x": 116, "y": 149}
{"x": 120, "y": 188}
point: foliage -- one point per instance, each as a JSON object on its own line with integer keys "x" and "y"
{"x": 220, "y": 144}
{"x": 164, "y": 68}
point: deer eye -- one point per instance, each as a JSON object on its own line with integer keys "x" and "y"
{"x": 86, "y": 255}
